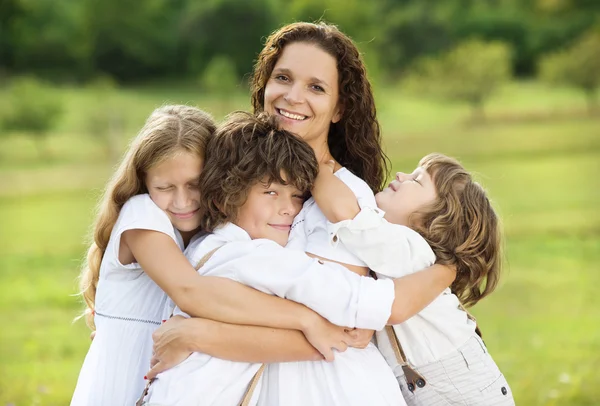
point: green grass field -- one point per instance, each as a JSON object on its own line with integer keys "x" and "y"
{"x": 541, "y": 325}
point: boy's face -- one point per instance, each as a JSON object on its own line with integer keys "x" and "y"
{"x": 407, "y": 194}
{"x": 269, "y": 211}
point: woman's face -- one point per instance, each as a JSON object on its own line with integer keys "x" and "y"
{"x": 302, "y": 92}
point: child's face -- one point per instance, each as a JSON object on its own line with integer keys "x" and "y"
{"x": 405, "y": 195}
{"x": 173, "y": 186}
{"x": 269, "y": 211}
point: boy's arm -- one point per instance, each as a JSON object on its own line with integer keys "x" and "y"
{"x": 335, "y": 199}
{"x": 388, "y": 249}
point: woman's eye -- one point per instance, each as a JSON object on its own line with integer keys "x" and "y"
{"x": 282, "y": 78}
{"x": 164, "y": 188}
{"x": 270, "y": 193}
{"x": 318, "y": 88}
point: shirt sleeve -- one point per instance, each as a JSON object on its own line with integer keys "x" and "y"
{"x": 141, "y": 213}
{"x": 388, "y": 249}
{"x": 339, "y": 295}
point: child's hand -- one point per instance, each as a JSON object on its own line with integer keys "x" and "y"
{"x": 326, "y": 337}
{"x": 327, "y": 167}
{"x": 169, "y": 348}
{"x": 360, "y": 337}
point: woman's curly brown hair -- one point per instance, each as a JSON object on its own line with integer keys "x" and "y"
{"x": 247, "y": 149}
{"x": 462, "y": 228}
{"x": 355, "y": 140}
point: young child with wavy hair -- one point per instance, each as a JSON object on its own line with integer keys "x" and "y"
{"x": 155, "y": 188}
{"x": 436, "y": 213}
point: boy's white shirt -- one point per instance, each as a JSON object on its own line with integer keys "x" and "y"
{"x": 341, "y": 296}
{"x": 393, "y": 251}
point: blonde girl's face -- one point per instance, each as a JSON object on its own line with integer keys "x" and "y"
{"x": 173, "y": 186}
{"x": 405, "y": 195}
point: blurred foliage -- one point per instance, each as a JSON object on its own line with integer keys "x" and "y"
{"x": 32, "y": 107}
{"x": 470, "y": 73}
{"x": 219, "y": 76}
{"x": 104, "y": 118}
{"x": 80, "y": 39}
{"x": 577, "y": 66}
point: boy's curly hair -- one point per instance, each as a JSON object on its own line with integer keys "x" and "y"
{"x": 247, "y": 149}
{"x": 462, "y": 228}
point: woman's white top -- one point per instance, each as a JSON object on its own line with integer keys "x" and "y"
{"x": 357, "y": 376}
{"x": 337, "y": 294}
{"x": 129, "y": 307}
{"x": 309, "y": 230}
{"x": 393, "y": 251}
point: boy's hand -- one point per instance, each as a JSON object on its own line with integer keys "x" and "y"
{"x": 360, "y": 337}
{"x": 169, "y": 346}
{"x": 326, "y": 337}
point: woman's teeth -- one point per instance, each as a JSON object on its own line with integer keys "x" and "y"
{"x": 291, "y": 115}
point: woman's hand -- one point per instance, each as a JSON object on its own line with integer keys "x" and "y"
{"x": 170, "y": 347}
{"x": 360, "y": 337}
{"x": 326, "y": 337}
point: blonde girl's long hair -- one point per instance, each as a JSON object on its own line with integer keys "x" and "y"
{"x": 462, "y": 228}
{"x": 169, "y": 130}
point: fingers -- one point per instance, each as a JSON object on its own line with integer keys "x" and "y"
{"x": 156, "y": 369}
{"x": 153, "y": 361}
{"x": 92, "y": 335}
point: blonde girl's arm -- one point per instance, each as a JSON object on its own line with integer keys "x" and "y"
{"x": 225, "y": 300}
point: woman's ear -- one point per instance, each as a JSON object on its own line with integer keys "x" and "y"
{"x": 339, "y": 112}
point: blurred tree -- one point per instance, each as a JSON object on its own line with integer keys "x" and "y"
{"x": 133, "y": 40}
{"x": 105, "y": 117}
{"x": 471, "y": 73}
{"x": 232, "y": 28}
{"x": 577, "y": 66}
{"x": 31, "y": 107}
{"x": 220, "y": 76}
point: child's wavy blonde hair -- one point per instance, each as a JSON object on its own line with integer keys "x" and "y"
{"x": 462, "y": 228}
{"x": 169, "y": 130}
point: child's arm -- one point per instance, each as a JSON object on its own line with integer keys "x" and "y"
{"x": 222, "y": 299}
{"x": 335, "y": 199}
{"x": 178, "y": 338}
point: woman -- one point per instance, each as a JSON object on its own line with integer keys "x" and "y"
{"x": 312, "y": 77}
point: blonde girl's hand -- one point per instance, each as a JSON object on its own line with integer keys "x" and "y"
{"x": 326, "y": 337}
{"x": 170, "y": 347}
{"x": 360, "y": 337}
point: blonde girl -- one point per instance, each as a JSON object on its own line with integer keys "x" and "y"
{"x": 148, "y": 215}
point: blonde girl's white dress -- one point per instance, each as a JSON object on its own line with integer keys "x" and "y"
{"x": 129, "y": 307}
{"x": 337, "y": 294}
{"x": 439, "y": 342}
{"x": 357, "y": 377}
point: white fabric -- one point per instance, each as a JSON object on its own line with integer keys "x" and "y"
{"x": 129, "y": 307}
{"x": 309, "y": 230}
{"x": 467, "y": 376}
{"x": 393, "y": 251}
{"x": 339, "y": 295}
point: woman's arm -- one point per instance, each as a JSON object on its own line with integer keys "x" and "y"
{"x": 175, "y": 340}
{"x": 222, "y": 299}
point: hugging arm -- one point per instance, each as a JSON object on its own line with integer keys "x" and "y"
{"x": 388, "y": 249}
{"x": 222, "y": 299}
